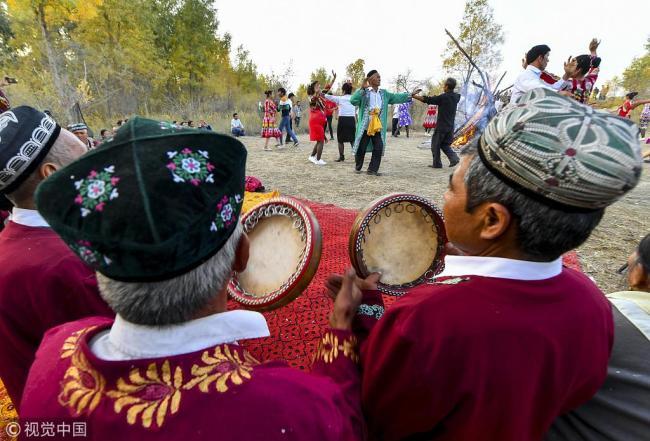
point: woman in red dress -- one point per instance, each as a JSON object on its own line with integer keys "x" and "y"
{"x": 269, "y": 130}
{"x": 317, "y": 120}
{"x": 629, "y": 104}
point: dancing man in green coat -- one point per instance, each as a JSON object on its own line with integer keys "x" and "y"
{"x": 373, "y": 110}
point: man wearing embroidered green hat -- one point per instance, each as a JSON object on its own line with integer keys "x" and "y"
{"x": 156, "y": 212}
{"x": 505, "y": 339}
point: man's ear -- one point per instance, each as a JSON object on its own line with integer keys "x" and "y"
{"x": 47, "y": 169}
{"x": 242, "y": 253}
{"x": 638, "y": 278}
{"x": 496, "y": 221}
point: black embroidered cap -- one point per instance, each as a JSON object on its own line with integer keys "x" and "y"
{"x": 153, "y": 203}
{"x": 26, "y": 136}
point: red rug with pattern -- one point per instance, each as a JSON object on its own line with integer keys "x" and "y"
{"x": 296, "y": 327}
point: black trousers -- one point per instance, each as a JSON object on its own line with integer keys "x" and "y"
{"x": 377, "y": 151}
{"x": 289, "y": 136}
{"x": 329, "y": 124}
{"x": 395, "y": 127}
{"x": 441, "y": 140}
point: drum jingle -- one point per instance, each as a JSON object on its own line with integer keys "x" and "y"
{"x": 402, "y": 236}
{"x": 285, "y": 250}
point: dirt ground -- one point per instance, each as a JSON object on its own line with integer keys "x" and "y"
{"x": 405, "y": 169}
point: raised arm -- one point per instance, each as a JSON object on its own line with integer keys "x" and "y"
{"x": 638, "y": 103}
{"x": 400, "y": 98}
{"x": 331, "y": 84}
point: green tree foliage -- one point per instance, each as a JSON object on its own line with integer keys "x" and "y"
{"x": 320, "y": 75}
{"x": 356, "y": 72}
{"x": 480, "y": 36}
{"x": 120, "y": 57}
{"x": 637, "y": 75}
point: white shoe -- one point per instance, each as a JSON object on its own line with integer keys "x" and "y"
{"x": 320, "y": 162}
{"x": 312, "y": 159}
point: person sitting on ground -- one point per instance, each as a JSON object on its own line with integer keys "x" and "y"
{"x": 620, "y": 411}
{"x": 42, "y": 283}
{"x": 80, "y": 130}
{"x": 204, "y": 125}
{"x": 505, "y": 339}
{"x": 164, "y": 249}
{"x": 535, "y": 62}
{"x": 106, "y": 134}
{"x": 236, "y": 126}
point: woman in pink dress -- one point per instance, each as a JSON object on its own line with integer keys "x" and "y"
{"x": 269, "y": 129}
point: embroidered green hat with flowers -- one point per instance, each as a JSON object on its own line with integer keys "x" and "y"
{"x": 154, "y": 202}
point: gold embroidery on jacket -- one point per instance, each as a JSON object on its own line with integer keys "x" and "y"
{"x": 330, "y": 348}
{"x": 70, "y": 344}
{"x": 150, "y": 396}
{"x": 223, "y": 366}
{"x": 82, "y": 386}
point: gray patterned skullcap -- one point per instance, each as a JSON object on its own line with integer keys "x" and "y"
{"x": 562, "y": 152}
{"x": 76, "y": 127}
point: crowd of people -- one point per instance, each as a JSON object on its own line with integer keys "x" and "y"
{"x": 578, "y": 81}
{"x": 115, "y": 265}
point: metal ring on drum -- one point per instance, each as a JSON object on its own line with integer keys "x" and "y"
{"x": 406, "y": 242}
{"x": 285, "y": 250}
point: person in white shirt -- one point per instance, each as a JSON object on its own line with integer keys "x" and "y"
{"x": 535, "y": 64}
{"x": 347, "y": 119}
{"x": 236, "y": 126}
{"x": 395, "y": 125}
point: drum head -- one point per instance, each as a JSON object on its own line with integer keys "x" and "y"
{"x": 285, "y": 249}
{"x": 402, "y": 237}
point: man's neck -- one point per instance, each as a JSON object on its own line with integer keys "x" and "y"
{"x": 375, "y": 88}
{"x": 26, "y": 205}
{"x": 216, "y": 305}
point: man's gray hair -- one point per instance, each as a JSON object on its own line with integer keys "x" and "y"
{"x": 544, "y": 233}
{"x": 175, "y": 300}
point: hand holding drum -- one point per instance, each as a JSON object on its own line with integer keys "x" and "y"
{"x": 401, "y": 236}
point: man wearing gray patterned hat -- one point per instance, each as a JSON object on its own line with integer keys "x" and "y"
{"x": 42, "y": 283}
{"x": 80, "y": 130}
{"x": 506, "y": 338}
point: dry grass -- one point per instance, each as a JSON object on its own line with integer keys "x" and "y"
{"x": 405, "y": 170}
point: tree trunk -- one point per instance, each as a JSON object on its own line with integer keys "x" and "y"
{"x": 60, "y": 82}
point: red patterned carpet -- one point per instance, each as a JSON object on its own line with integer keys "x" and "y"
{"x": 295, "y": 328}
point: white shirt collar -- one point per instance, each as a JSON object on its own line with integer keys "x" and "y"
{"x": 500, "y": 267}
{"x": 534, "y": 70}
{"x": 28, "y": 218}
{"x": 128, "y": 341}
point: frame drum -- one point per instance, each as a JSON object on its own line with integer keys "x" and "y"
{"x": 402, "y": 236}
{"x": 285, "y": 250}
